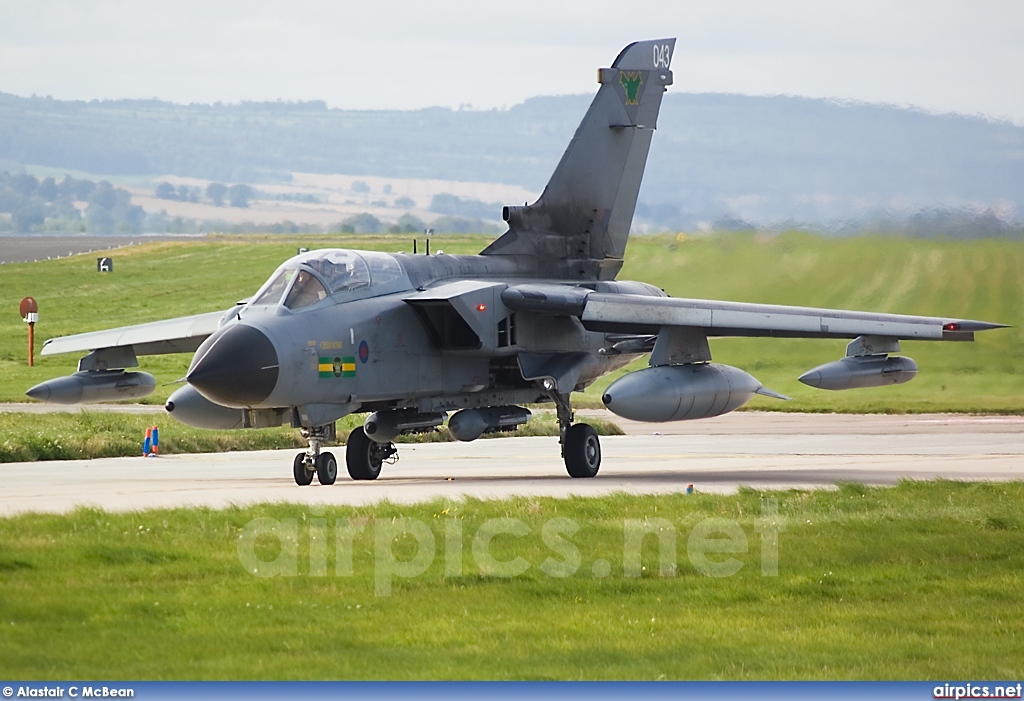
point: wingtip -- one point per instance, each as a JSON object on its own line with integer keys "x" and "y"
{"x": 972, "y": 325}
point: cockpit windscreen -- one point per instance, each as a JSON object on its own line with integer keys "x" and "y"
{"x": 314, "y": 276}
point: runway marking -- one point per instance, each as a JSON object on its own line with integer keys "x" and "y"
{"x": 973, "y": 420}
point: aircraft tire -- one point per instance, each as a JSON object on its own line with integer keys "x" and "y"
{"x": 302, "y": 476}
{"x": 326, "y": 469}
{"x": 582, "y": 451}
{"x": 362, "y": 455}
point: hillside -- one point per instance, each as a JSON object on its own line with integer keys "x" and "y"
{"x": 715, "y": 158}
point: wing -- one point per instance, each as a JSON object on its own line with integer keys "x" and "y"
{"x": 181, "y": 335}
{"x": 644, "y": 314}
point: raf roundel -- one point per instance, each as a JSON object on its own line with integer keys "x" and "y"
{"x": 364, "y": 351}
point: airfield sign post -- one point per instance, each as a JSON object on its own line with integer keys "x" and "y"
{"x": 30, "y": 313}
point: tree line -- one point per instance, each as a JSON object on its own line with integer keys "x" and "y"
{"x": 237, "y": 195}
{"x": 29, "y": 204}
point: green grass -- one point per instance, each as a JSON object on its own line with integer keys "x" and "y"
{"x": 97, "y": 434}
{"x": 920, "y": 581}
{"x": 977, "y": 279}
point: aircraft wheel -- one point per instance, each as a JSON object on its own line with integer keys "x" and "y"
{"x": 582, "y": 451}
{"x": 302, "y": 475}
{"x": 364, "y": 457}
{"x": 326, "y": 469}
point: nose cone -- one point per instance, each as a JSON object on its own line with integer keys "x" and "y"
{"x": 40, "y": 392}
{"x": 811, "y": 378}
{"x": 238, "y": 367}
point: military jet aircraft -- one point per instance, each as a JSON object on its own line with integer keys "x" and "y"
{"x": 537, "y": 315}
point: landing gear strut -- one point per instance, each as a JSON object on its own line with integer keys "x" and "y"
{"x": 313, "y": 461}
{"x": 581, "y": 448}
{"x": 364, "y": 457}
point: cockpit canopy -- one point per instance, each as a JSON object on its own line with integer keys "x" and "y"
{"x": 308, "y": 278}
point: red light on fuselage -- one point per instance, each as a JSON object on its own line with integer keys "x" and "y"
{"x": 481, "y": 307}
{"x": 951, "y": 327}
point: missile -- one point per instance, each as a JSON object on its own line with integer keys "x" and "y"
{"x": 643, "y": 344}
{"x": 864, "y": 371}
{"x": 680, "y": 392}
{"x": 94, "y": 386}
{"x": 470, "y": 424}
{"x": 385, "y": 426}
{"x": 189, "y": 407}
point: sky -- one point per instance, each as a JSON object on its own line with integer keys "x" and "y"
{"x": 938, "y": 55}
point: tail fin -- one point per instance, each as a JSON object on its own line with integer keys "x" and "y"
{"x": 579, "y": 226}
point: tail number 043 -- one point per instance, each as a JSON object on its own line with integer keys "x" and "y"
{"x": 662, "y": 55}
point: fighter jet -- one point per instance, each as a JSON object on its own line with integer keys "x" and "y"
{"x": 537, "y": 315}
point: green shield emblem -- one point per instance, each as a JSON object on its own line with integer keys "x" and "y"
{"x": 631, "y": 82}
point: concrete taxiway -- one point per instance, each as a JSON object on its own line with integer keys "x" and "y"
{"x": 762, "y": 450}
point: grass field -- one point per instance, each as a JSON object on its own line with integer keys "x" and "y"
{"x": 978, "y": 279}
{"x": 95, "y": 434}
{"x": 26, "y": 437}
{"x": 920, "y": 581}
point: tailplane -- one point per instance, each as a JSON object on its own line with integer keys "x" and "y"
{"x": 579, "y": 226}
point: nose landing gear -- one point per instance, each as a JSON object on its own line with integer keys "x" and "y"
{"x": 323, "y": 465}
{"x": 300, "y": 469}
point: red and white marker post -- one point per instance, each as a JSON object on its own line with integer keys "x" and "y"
{"x": 30, "y": 313}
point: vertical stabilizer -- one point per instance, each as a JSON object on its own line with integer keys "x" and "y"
{"x": 579, "y": 225}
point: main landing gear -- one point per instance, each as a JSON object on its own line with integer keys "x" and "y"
{"x": 364, "y": 457}
{"x": 581, "y": 448}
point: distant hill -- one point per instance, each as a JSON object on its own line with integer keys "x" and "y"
{"x": 716, "y": 158}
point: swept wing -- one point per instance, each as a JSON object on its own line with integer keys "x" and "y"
{"x": 643, "y": 314}
{"x": 181, "y": 335}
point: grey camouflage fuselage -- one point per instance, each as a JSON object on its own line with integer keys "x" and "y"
{"x": 536, "y": 316}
